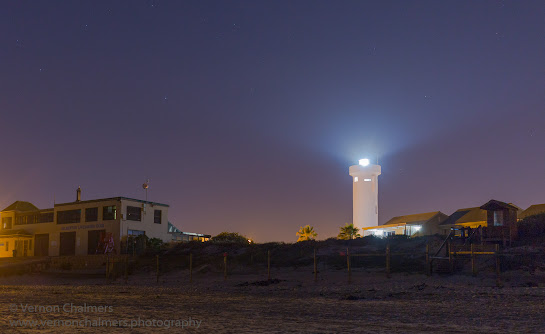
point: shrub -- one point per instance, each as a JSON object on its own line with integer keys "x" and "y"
{"x": 154, "y": 244}
{"x": 532, "y": 226}
{"x": 66, "y": 266}
{"x": 230, "y": 237}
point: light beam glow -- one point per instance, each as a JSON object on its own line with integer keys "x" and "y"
{"x": 364, "y": 162}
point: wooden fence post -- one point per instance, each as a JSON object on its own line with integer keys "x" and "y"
{"x": 450, "y": 260}
{"x": 428, "y": 262}
{"x": 116, "y": 266}
{"x": 388, "y": 260}
{"x": 190, "y": 267}
{"x": 157, "y": 257}
{"x": 108, "y": 266}
{"x": 126, "y": 268}
{"x": 473, "y": 267}
{"x": 315, "y": 267}
{"x": 348, "y": 265}
{"x": 269, "y": 265}
{"x": 224, "y": 266}
{"x": 497, "y": 254}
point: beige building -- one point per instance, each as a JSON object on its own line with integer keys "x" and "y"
{"x": 80, "y": 227}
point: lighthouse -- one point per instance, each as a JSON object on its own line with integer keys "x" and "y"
{"x": 365, "y": 193}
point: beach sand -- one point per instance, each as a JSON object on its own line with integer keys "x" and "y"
{"x": 291, "y": 303}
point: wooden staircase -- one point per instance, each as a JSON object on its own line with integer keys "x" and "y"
{"x": 443, "y": 259}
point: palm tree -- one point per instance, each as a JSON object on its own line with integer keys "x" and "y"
{"x": 348, "y": 232}
{"x": 306, "y": 233}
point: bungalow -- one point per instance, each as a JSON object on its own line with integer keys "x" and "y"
{"x": 411, "y": 225}
{"x": 501, "y": 213}
{"x": 178, "y": 235}
{"x": 468, "y": 217}
{"x": 501, "y": 221}
{"x": 532, "y": 210}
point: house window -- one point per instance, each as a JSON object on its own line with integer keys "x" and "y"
{"x": 136, "y": 232}
{"x": 91, "y": 214}
{"x": 367, "y": 180}
{"x": 69, "y": 216}
{"x": 355, "y": 179}
{"x": 6, "y": 222}
{"x": 157, "y": 216}
{"x": 498, "y": 218}
{"x": 109, "y": 212}
{"x": 46, "y": 217}
{"x": 24, "y": 220}
{"x": 134, "y": 213}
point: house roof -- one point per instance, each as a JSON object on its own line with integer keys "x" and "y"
{"x": 112, "y": 199}
{"x": 532, "y": 210}
{"x": 466, "y": 215}
{"x": 412, "y": 219}
{"x": 21, "y": 206}
{"x": 174, "y": 230}
{"x": 494, "y": 205}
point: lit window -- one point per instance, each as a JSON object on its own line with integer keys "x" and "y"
{"x": 109, "y": 212}
{"x": 6, "y": 222}
{"x": 367, "y": 180}
{"x": 355, "y": 179}
{"x": 136, "y": 232}
{"x": 498, "y": 218}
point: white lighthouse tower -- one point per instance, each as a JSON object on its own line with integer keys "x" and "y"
{"x": 365, "y": 193}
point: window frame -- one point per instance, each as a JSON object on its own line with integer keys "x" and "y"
{"x": 133, "y": 216}
{"x": 155, "y": 216}
{"x": 4, "y": 222}
{"x": 89, "y": 218}
{"x": 40, "y": 218}
{"x": 106, "y": 214}
{"x": 62, "y": 215}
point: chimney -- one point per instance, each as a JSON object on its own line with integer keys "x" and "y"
{"x": 78, "y": 196}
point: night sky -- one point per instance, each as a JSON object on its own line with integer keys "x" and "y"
{"x": 245, "y": 116}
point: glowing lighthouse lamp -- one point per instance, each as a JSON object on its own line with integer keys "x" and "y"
{"x": 365, "y": 193}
